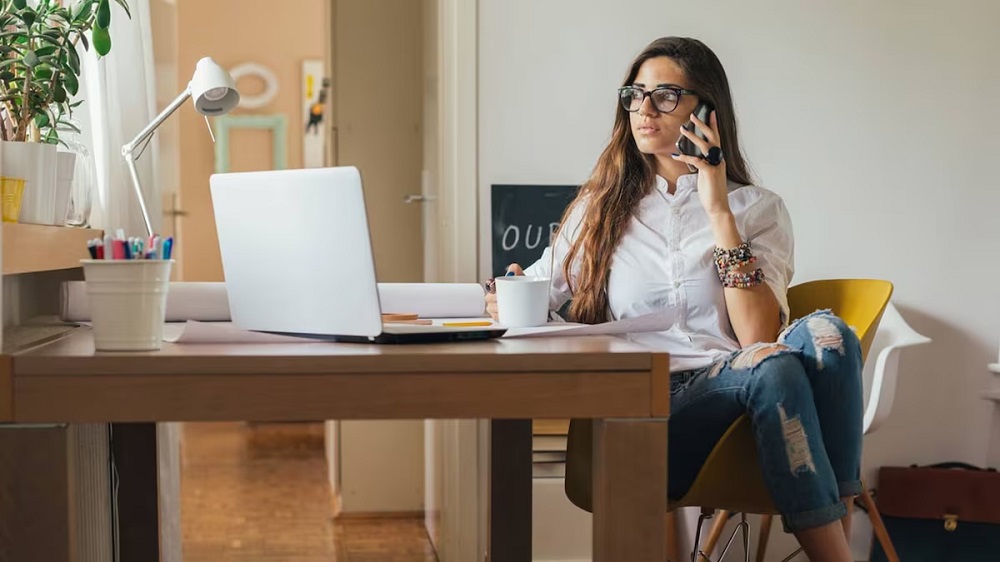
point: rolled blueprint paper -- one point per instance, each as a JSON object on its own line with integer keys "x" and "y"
{"x": 208, "y": 301}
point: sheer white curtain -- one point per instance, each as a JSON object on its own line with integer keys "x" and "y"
{"x": 119, "y": 96}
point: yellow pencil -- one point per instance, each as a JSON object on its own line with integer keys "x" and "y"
{"x": 466, "y": 324}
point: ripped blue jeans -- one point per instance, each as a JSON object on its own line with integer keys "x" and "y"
{"x": 805, "y": 404}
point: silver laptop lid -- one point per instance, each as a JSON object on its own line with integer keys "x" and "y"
{"x": 296, "y": 251}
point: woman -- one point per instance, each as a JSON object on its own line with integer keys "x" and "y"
{"x": 653, "y": 229}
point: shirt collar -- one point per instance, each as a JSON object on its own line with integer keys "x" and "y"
{"x": 687, "y": 182}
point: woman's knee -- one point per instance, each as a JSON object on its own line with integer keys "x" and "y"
{"x": 820, "y": 333}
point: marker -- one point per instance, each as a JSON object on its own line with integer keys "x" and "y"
{"x": 466, "y": 324}
{"x": 168, "y": 247}
{"x": 109, "y": 248}
{"x": 118, "y": 252}
{"x": 92, "y": 248}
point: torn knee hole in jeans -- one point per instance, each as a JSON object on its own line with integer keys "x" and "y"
{"x": 754, "y": 354}
{"x": 825, "y": 335}
{"x": 800, "y": 457}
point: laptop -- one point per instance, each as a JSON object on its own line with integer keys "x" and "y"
{"x": 297, "y": 258}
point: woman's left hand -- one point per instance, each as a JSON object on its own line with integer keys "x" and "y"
{"x": 713, "y": 187}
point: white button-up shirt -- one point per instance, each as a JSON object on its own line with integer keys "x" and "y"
{"x": 664, "y": 260}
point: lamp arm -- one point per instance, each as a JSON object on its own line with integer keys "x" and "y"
{"x": 156, "y": 122}
{"x": 128, "y": 152}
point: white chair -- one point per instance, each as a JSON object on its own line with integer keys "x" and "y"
{"x": 880, "y": 376}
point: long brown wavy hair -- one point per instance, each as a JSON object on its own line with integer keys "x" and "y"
{"x": 623, "y": 175}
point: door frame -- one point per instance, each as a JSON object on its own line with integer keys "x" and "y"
{"x": 466, "y": 447}
{"x": 466, "y": 443}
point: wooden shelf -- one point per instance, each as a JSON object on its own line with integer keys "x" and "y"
{"x": 28, "y": 248}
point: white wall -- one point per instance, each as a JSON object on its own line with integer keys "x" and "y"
{"x": 877, "y": 123}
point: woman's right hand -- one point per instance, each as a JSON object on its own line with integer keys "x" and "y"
{"x": 491, "y": 297}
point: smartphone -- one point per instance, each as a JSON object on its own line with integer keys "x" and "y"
{"x": 684, "y": 144}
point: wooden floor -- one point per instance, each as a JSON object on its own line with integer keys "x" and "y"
{"x": 259, "y": 493}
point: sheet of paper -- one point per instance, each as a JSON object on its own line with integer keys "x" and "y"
{"x": 654, "y": 322}
{"x": 194, "y": 332}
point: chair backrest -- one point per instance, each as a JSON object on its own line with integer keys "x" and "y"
{"x": 892, "y": 336}
{"x": 858, "y": 302}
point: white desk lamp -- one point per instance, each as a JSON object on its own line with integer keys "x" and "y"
{"x": 214, "y": 93}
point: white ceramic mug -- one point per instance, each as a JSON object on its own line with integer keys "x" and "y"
{"x": 522, "y": 301}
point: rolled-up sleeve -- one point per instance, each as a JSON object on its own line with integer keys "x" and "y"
{"x": 769, "y": 231}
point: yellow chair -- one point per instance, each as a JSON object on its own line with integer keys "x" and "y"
{"x": 730, "y": 480}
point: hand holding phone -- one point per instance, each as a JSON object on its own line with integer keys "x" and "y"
{"x": 684, "y": 144}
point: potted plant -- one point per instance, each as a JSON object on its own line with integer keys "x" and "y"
{"x": 39, "y": 78}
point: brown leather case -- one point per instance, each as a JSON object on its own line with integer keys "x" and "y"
{"x": 948, "y": 491}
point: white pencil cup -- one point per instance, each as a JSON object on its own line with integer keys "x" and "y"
{"x": 127, "y": 301}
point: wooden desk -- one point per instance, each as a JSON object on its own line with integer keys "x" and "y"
{"x": 509, "y": 381}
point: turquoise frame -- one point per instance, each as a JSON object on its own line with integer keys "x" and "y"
{"x": 277, "y": 124}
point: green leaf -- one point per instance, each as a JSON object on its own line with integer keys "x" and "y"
{"x": 43, "y": 72}
{"x": 73, "y": 60}
{"x": 59, "y": 95}
{"x": 6, "y": 76}
{"x": 82, "y": 11}
{"x": 45, "y": 51}
{"x": 41, "y": 120}
{"x": 70, "y": 126}
{"x": 75, "y": 104}
{"x": 124, "y": 6}
{"x": 30, "y": 59}
{"x": 85, "y": 41}
{"x": 102, "y": 41}
{"x": 27, "y": 16}
{"x": 20, "y": 4}
{"x": 103, "y": 16}
{"x": 72, "y": 84}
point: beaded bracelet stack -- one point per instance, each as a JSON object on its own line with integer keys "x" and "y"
{"x": 728, "y": 262}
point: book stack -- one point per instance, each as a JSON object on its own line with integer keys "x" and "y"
{"x": 548, "y": 448}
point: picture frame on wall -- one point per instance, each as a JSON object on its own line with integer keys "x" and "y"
{"x": 315, "y": 100}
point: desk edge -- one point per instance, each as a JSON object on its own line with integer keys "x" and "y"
{"x": 659, "y": 386}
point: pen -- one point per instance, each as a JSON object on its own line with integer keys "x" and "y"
{"x": 466, "y": 324}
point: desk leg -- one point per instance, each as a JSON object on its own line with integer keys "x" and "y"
{"x": 510, "y": 491}
{"x": 134, "y": 446}
{"x": 630, "y": 490}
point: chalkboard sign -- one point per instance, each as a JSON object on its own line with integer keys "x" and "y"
{"x": 525, "y": 217}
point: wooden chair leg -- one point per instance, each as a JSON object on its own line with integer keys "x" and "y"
{"x": 672, "y": 554}
{"x": 879, "y": 527}
{"x": 765, "y": 534}
{"x": 721, "y": 518}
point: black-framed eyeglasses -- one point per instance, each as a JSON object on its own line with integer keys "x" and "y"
{"x": 665, "y": 98}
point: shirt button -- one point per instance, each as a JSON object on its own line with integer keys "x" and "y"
{"x": 677, "y": 284}
{"x": 675, "y": 211}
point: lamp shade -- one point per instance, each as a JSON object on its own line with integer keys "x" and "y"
{"x": 213, "y": 89}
